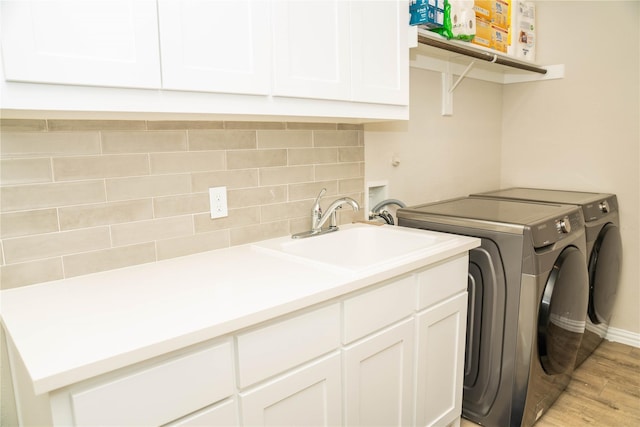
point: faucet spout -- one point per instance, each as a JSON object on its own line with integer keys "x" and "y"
{"x": 331, "y": 212}
{"x": 318, "y": 218}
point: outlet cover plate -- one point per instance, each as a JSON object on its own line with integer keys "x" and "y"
{"x": 218, "y": 202}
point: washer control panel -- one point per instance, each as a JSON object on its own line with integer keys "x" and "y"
{"x": 600, "y": 208}
{"x": 553, "y": 230}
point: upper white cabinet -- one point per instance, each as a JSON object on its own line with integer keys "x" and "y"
{"x": 311, "y": 49}
{"x": 341, "y": 50}
{"x": 319, "y": 58}
{"x": 215, "y": 46}
{"x": 99, "y": 43}
{"x": 379, "y": 54}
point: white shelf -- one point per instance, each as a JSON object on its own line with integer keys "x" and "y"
{"x": 436, "y": 53}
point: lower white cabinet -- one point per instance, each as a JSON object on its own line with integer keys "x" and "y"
{"x": 390, "y": 354}
{"x": 441, "y": 341}
{"x": 379, "y": 378}
{"x": 308, "y": 396}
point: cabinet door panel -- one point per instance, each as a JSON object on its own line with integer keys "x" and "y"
{"x": 101, "y": 43}
{"x": 309, "y": 396}
{"x": 380, "y": 52}
{"x": 441, "y": 340}
{"x": 311, "y": 49}
{"x": 379, "y": 378}
{"x": 215, "y": 46}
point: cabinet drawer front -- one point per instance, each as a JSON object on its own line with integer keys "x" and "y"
{"x": 376, "y": 309}
{"x": 442, "y": 281}
{"x": 159, "y": 394}
{"x": 286, "y": 344}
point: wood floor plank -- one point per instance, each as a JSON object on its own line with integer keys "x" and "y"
{"x": 604, "y": 392}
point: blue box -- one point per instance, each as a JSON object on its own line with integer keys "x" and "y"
{"x": 427, "y": 13}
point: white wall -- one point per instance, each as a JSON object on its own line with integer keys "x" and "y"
{"x": 581, "y": 132}
{"x": 440, "y": 157}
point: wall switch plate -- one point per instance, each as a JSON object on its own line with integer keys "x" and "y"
{"x": 218, "y": 202}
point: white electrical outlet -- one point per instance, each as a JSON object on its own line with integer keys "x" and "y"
{"x": 218, "y": 202}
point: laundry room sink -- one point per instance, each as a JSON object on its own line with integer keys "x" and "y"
{"x": 357, "y": 247}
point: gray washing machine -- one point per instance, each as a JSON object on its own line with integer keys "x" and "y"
{"x": 604, "y": 252}
{"x": 528, "y": 295}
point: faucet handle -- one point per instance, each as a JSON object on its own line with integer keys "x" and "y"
{"x": 316, "y": 209}
{"x": 317, "y": 202}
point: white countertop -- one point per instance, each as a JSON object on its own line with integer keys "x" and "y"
{"x": 73, "y": 329}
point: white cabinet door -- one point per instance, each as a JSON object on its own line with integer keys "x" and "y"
{"x": 379, "y": 378}
{"x": 309, "y": 396}
{"x": 379, "y": 52}
{"x": 311, "y": 49}
{"x": 216, "y": 46}
{"x": 99, "y": 43}
{"x": 441, "y": 340}
{"x": 224, "y": 414}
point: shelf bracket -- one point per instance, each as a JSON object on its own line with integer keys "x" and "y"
{"x": 448, "y": 87}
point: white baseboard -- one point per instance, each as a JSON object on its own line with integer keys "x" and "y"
{"x": 623, "y": 337}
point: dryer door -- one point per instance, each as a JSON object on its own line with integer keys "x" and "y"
{"x": 604, "y": 270}
{"x": 563, "y": 312}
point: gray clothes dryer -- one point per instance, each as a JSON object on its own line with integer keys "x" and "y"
{"x": 528, "y": 295}
{"x": 604, "y": 252}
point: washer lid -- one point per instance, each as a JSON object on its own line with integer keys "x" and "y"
{"x": 494, "y": 210}
{"x": 544, "y": 195}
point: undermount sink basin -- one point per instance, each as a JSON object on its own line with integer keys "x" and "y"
{"x": 356, "y": 247}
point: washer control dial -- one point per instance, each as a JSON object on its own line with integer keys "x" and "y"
{"x": 604, "y": 206}
{"x": 563, "y": 225}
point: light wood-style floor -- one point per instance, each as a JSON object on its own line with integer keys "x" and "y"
{"x": 604, "y": 392}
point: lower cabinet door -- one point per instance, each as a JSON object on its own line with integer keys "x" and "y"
{"x": 308, "y": 396}
{"x": 441, "y": 340}
{"x": 379, "y": 378}
{"x": 224, "y": 414}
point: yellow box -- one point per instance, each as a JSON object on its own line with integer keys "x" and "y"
{"x": 482, "y": 8}
{"x": 497, "y": 12}
{"x": 501, "y": 14}
{"x": 499, "y": 39}
{"x": 483, "y": 33}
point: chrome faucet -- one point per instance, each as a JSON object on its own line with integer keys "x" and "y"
{"x": 318, "y": 219}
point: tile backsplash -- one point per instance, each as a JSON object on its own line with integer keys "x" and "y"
{"x": 82, "y": 196}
